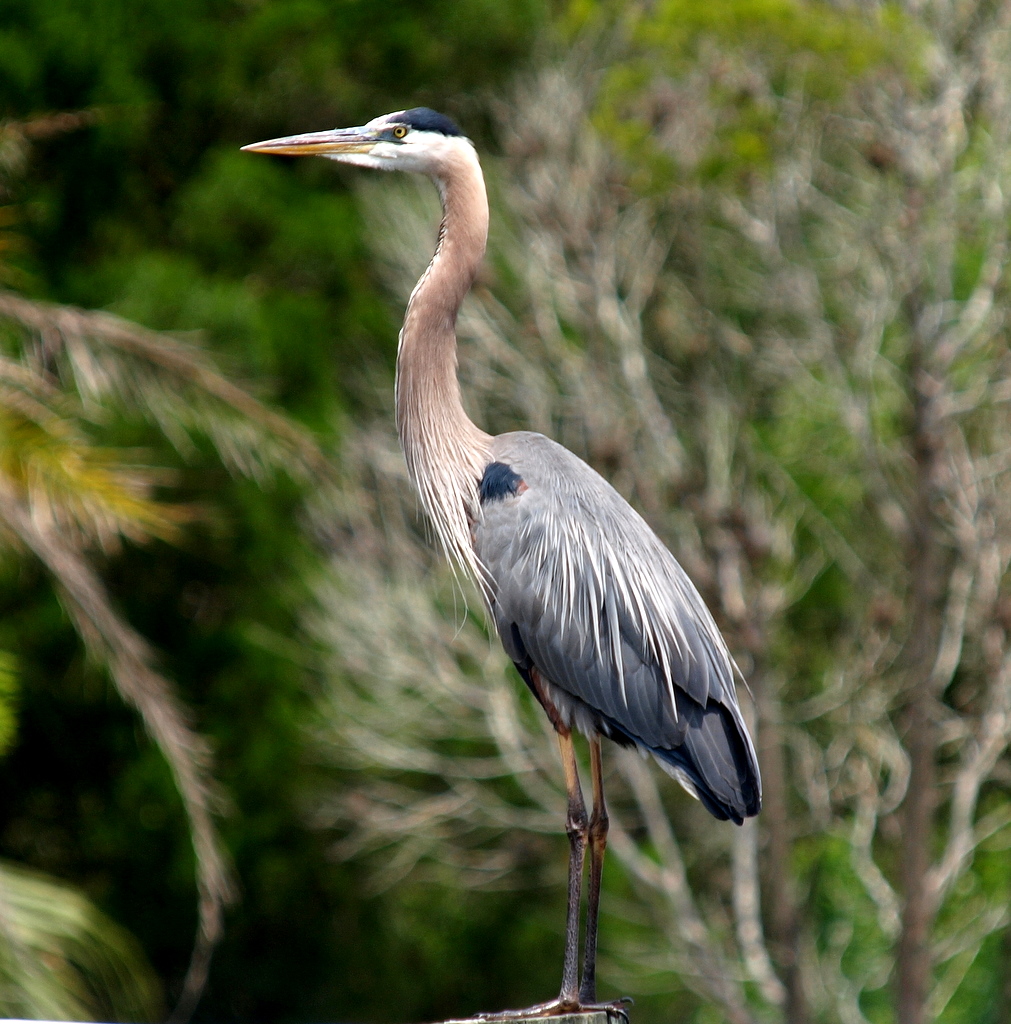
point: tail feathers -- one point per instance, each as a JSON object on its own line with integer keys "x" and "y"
{"x": 716, "y": 762}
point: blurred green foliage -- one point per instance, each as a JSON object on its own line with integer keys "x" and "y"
{"x": 814, "y": 52}
{"x": 150, "y": 211}
{"x": 8, "y": 701}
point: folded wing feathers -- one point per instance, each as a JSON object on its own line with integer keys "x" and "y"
{"x": 585, "y": 591}
{"x": 598, "y": 587}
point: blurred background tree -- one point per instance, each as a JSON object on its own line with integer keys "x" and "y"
{"x": 748, "y": 260}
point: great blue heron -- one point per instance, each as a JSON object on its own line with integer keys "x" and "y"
{"x": 603, "y": 624}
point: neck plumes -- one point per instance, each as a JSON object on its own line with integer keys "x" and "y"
{"x": 446, "y": 452}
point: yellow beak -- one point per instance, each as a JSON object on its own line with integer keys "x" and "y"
{"x": 338, "y": 140}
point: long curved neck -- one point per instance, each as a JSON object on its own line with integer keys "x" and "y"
{"x": 446, "y": 452}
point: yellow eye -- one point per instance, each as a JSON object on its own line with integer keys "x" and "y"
{"x": 399, "y": 132}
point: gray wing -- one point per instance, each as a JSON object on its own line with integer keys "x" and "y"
{"x": 584, "y": 592}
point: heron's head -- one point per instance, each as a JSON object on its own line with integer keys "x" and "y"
{"x": 418, "y": 140}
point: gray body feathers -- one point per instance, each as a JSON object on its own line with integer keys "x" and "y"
{"x": 584, "y": 593}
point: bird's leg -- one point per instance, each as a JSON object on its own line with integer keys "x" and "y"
{"x": 576, "y": 826}
{"x": 580, "y": 829}
{"x": 598, "y": 844}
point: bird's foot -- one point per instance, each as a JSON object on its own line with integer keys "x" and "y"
{"x": 615, "y": 1011}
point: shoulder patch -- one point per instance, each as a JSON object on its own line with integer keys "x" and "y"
{"x": 499, "y": 481}
{"x": 424, "y": 119}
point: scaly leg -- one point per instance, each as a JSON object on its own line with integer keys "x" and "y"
{"x": 579, "y": 828}
{"x": 598, "y": 843}
{"x": 576, "y": 826}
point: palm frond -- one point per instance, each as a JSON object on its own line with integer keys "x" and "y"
{"x": 104, "y": 358}
{"x": 61, "y": 494}
{"x": 131, "y": 664}
{"x": 62, "y": 959}
{"x": 92, "y": 494}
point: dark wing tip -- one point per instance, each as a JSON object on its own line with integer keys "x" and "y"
{"x": 719, "y": 761}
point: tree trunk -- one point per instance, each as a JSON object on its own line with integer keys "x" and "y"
{"x": 914, "y": 959}
{"x": 784, "y": 922}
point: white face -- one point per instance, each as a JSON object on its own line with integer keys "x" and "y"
{"x": 398, "y": 147}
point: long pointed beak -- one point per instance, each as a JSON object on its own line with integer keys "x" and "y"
{"x": 338, "y": 140}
